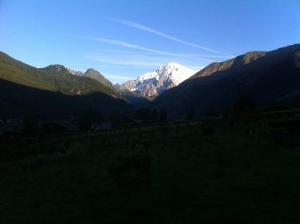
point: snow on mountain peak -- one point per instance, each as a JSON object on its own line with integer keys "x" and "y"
{"x": 165, "y": 77}
{"x": 178, "y": 73}
{"x": 148, "y": 75}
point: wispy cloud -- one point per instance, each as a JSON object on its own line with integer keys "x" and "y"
{"x": 142, "y": 59}
{"x": 132, "y": 46}
{"x": 124, "y": 61}
{"x": 161, "y": 34}
{"x": 126, "y": 44}
{"x": 207, "y": 56}
{"x": 120, "y": 77}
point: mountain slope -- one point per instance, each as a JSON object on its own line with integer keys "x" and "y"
{"x": 94, "y": 74}
{"x": 134, "y": 99}
{"x": 52, "y": 91}
{"x": 54, "y": 78}
{"x": 269, "y": 79}
{"x": 232, "y": 63}
{"x": 17, "y": 101}
{"x": 152, "y": 84}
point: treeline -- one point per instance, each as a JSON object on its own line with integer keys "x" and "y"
{"x": 91, "y": 120}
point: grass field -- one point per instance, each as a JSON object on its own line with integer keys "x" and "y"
{"x": 201, "y": 172}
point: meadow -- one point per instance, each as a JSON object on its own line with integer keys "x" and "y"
{"x": 210, "y": 170}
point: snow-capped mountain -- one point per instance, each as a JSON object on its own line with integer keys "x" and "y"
{"x": 165, "y": 77}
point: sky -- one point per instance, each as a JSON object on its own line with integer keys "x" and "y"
{"x": 125, "y": 38}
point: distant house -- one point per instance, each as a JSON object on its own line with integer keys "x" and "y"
{"x": 11, "y": 126}
{"x": 106, "y": 125}
{"x": 53, "y": 127}
{"x": 68, "y": 126}
{"x": 1, "y": 127}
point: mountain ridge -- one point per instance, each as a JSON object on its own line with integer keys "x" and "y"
{"x": 97, "y": 76}
{"x": 270, "y": 79}
{"x": 52, "y": 91}
{"x": 56, "y": 78}
{"x": 221, "y": 66}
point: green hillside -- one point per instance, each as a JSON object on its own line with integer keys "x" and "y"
{"x": 54, "y": 78}
{"x": 52, "y": 92}
{"x": 95, "y": 75}
{"x": 198, "y": 172}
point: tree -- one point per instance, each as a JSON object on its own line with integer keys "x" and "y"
{"x": 212, "y": 113}
{"x": 30, "y": 124}
{"x": 143, "y": 114}
{"x": 154, "y": 115}
{"x": 191, "y": 114}
{"x": 163, "y": 116}
{"x": 88, "y": 118}
{"x": 243, "y": 105}
{"x": 118, "y": 119}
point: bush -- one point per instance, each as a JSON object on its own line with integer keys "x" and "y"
{"x": 207, "y": 131}
{"x": 163, "y": 116}
{"x": 131, "y": 171}
{"x": 143, "y": 114}
{"x": 88, "y": 118}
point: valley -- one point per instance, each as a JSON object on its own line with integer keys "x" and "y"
{"x": 149, "y": 112}
{"x": 213, "y": 165}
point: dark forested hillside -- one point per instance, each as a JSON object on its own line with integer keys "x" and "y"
{"x": 268, "y": 79}
{"x": 52, "y": 91}
{"x": 18, "y": 100}
{"x": 54, "y": 78}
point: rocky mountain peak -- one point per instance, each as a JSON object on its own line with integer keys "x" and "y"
{"x": 56, "y": 68}
{"x": 151, "y": 84}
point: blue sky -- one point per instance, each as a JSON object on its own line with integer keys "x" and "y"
{"x": 124, "y": 38}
